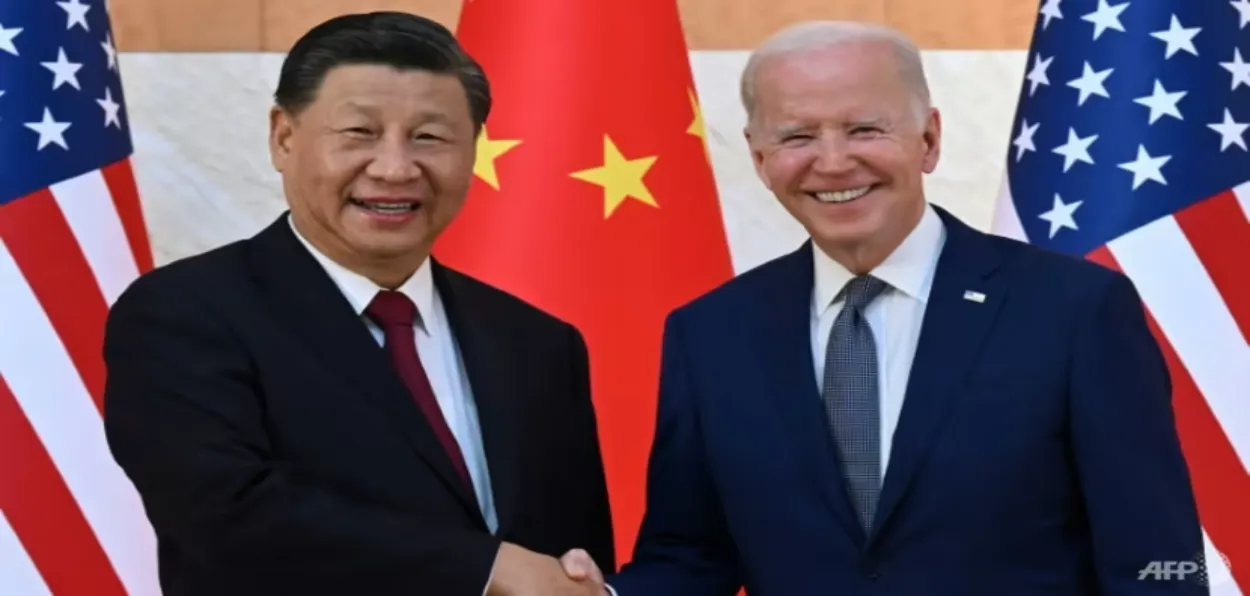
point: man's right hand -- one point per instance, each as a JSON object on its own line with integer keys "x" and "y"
{"x": 521, "y": 572}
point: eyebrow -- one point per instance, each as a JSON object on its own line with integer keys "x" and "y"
{"x": 430, "y": 116}
{"x": 355, "y": 106}
{"x": 786, "y": 130}
{"x": 879, "y": 122}
{"x": 424, "y": 116}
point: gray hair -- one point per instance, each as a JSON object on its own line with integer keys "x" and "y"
{"x": 813, "y": 35}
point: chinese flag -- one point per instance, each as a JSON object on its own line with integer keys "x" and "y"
{"x": 594, "y": 198}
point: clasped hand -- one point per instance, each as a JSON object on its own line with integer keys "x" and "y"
{"x": 521, "y": 572}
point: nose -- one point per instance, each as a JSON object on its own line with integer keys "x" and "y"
{"x": 394, "y": 162}
{"x": 832, "y": 156}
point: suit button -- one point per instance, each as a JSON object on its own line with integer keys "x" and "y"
{"x": 874, "y": 576}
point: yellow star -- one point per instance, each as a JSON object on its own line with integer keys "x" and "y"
{"x": 620, "y": 178}
{"x": 696, "y": 126}
{"x": 487, "y": 151}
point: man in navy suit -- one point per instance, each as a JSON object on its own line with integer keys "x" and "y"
{"x": 903, "y": 405}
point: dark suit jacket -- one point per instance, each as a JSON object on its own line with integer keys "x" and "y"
{"x": 277, "y": 452}
{"x": 1035, "y": 453}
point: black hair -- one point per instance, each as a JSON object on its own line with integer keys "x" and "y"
{"x": 401, "y": 40}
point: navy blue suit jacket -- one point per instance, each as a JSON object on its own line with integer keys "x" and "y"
{"x": 1036, "y": 451}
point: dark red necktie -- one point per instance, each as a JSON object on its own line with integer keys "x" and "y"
{"x": 395, "y": 314}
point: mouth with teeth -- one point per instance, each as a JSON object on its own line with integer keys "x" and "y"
{"x": 838, "y": 197}
{"x": 400, "y": 209}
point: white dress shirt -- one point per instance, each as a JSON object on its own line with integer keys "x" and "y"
{"x": 440, "y": 356}
{"x": 895, "y": 316}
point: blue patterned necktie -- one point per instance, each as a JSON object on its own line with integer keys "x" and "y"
{"x": 851, "y": 398}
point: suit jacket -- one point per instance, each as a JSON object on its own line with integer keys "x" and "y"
{"x": 277, "y": 452}
{"x": 1036, "y": 452}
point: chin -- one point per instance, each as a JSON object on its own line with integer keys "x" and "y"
{"x": 398, "y": 245}
{"x": 845, "y": 233}
{"x": 379, "y": 243}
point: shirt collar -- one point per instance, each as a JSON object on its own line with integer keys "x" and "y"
{"x": 360, "y": 290}
{"x": 909, "y": 269}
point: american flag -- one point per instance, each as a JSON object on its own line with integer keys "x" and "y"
{"x": 1129, "y": 147}
{"x": 71, "y": 238}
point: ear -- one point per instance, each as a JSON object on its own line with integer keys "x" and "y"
{"x": 932, "y": 140}
{"x": 757, "y": 157}
{"x": 281, "y": 129}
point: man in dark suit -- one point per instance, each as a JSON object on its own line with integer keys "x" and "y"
{"x": 324, "y": 409}
{"x": 903, "y": 406}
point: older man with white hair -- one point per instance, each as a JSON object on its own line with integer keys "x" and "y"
{"x": 903, "y": 405}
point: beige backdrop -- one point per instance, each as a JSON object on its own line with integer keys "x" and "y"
{"x": 272, "y": 25}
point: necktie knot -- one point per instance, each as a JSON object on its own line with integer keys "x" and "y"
{"x": 392, "y": 309}
{"x": 860, "y": 291}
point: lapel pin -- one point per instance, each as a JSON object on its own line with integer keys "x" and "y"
{"x": 974, "y": 296}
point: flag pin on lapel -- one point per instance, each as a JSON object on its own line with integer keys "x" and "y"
{"x": 972, "y": 296}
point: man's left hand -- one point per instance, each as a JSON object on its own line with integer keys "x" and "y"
{"x": 579, "y": 566}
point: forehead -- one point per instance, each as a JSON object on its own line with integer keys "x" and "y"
{"x": 372, "y": 86}
{"x": 856, "y": 76}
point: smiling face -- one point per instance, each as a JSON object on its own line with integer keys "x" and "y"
{"x": 835, "y": 135}
{"x": 377, "y": 165}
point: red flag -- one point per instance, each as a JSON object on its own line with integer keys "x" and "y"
{"x": 595, "y": 199}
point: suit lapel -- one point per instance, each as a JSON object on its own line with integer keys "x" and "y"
{"x": 782, "y": 341}
{"x": 952, "y": 334}
{"x": 496, "y": 376}
{"x": 307, "y": 303}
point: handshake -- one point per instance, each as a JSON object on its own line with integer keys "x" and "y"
{"x": 522, "y": 572}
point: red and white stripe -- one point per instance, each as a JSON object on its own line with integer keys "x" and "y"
{"x": 1190, "y": 271}
{"x": 16, "y": 568}
{"x": 1243, "y": 197}
{"x": 72, "y": 521}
